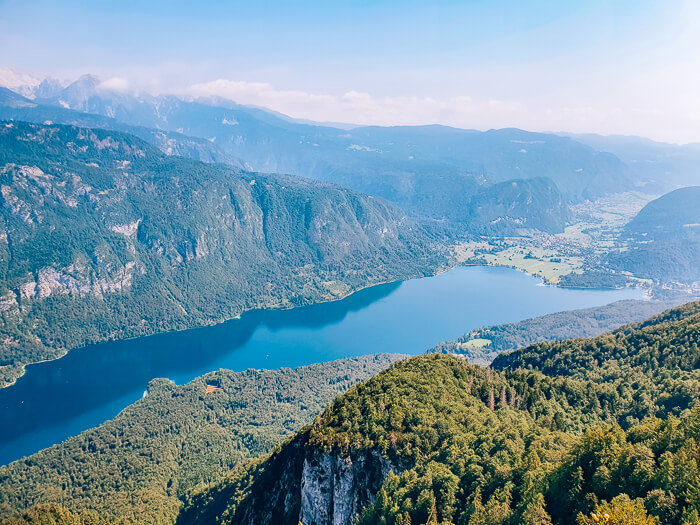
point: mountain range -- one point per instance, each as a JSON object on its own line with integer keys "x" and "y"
{"x": 401, "y": 164}
{"x": 103, "y": 236}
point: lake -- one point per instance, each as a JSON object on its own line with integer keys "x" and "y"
{"x": 58, "y": 399}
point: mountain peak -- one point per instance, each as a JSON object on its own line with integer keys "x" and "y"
{"x": 85, "y": 83}
{"x": 49, "y": 87}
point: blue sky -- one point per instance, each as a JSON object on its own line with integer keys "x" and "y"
{"x": 601, "y": 66}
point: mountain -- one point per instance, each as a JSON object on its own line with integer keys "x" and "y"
{"x": 178, "y": 437}
{"x": 662, "y": 241}
{"x": 16, "y": 107}
{"x": 102, "y": 236}
{"x": 549, "y": 434}
{"x": 657, "y": 167}
{"x": 49, "y": 87}
{"x": 503, "y": 154}
{"x": 270, "y": 142}
{"x": 511, "y": 207}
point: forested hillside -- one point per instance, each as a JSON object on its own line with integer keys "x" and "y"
{"x": 140, "y": 463}
{"x": 483, "y": 344}
{"x": 102, "y": 236}
{"x": 555, "y": 433}
{"x": 514, "y": 206}
{"x": 663, "y": 241}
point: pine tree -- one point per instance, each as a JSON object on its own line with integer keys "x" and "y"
{"x": 536, "y": 513}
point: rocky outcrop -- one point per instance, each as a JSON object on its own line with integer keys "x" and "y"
{"x": 335, "y": 488}
{"x": 299, "y": 483}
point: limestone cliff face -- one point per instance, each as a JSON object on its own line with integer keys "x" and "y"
{"x": 335, "y": 488}
{"x": 300, "y": 482}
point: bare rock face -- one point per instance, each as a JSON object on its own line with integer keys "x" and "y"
{"x": 317, "y": 496}
{"x": 299, "y": 483}
{"x": 335, "y": 488}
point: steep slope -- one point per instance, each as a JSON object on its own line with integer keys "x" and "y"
{"x": 163, "y": 445}
{"x": 102, "y": 236}
{"x": 663, "y": 240}
{"x": 513, "y": 207}
{"x": 435, "y": 440}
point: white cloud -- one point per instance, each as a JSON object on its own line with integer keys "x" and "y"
{"x": 119, "y": 84}
{"x": 352, "y": 106}
{"x": 14, "y": 78}
{"x": 658, "y": 102}
{"x": 465, "y": 111}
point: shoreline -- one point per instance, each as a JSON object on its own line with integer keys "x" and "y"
{"x": 277, "y": 306}
{"x": 280, "y": 307}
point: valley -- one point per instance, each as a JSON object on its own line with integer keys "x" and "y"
{"x": 216, "y": 311}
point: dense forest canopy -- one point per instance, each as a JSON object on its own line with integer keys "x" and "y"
{"x": 140, "y": 463}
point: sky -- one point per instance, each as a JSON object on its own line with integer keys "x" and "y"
{"x": 600, "y": 66}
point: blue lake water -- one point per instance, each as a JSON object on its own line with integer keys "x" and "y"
{"x": 58, "y": 399}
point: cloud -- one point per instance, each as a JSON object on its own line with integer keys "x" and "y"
{"x": 15, "y": 78}
{"x": 652, "y": 102}
{"x": 122, "y": 85}
{"x": 352, "y": 106}
{"x": 608, "y": 116}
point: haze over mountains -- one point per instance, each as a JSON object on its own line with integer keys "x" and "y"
{"x": 397, "y": 163}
